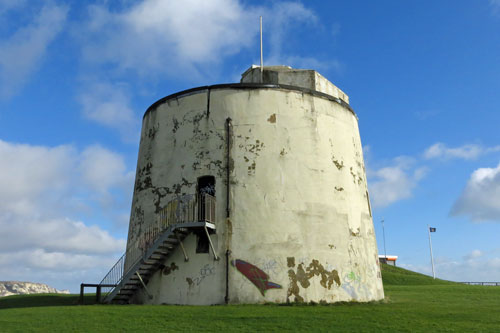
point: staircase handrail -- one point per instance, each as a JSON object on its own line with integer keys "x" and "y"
{"x": 114, "y": 276}
{"x": 179, "y": 210}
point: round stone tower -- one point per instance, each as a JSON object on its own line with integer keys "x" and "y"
{"x": 274, "y": 166}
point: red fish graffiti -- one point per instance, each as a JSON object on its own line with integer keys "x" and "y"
{"x": 257, "y": 276}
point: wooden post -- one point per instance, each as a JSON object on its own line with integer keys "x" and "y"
{"x": 98, "y": 294}
{"x": 82, "y": 287}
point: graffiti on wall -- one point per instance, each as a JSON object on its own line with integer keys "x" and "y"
{"x": 352, "y": 284}
{"x": 270, "y": 266}
{"x": 205, "y": 272}
{"x": 257, "y": 276}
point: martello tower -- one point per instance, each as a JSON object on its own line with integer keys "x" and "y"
{"x": 249, "y": 193}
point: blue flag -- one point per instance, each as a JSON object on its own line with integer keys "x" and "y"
{"x": 431, "y": 229}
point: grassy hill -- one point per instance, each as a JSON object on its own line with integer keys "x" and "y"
{"x": 392, "y": 275}
{"x": 414, "y": 303}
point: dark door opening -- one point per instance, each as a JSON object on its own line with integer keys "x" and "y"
{"x": 206, "y": 208}
{"x": 206, "y": 198}
{"x": 206, "y": 185}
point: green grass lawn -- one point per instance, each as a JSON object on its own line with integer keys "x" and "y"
{"x": 414, "y": 303}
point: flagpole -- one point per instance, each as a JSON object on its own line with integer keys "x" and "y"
{"x": 383, "y": 232}
{"x": 430, "y": 246}
{"x": 261, "y": 54}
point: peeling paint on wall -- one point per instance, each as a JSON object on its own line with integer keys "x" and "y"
{"x": 354, "y": 234}
{"x": 302, "y": 275}
{"x": 169, "y": 269}
{"x": 251, "y": 168}
{"x": 272, "y": 118}
{"x": 338, "y": 164}
{"x": 153, "y": 130}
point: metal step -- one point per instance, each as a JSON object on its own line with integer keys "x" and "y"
{"x": 152, "y": 260}
{"x": 157, "y": 257}
{"x": 161, "y": 252}
{"x": 129, "y": 287}
{"x": 127, "y": 291}
{"x": 133, "y": 281}
{"x": 145, "y": 264}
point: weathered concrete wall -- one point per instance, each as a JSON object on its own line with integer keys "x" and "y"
{"x": 200, "y": 281}
{"x": 300, "y": 198}
{"x": 304, "y": 78}
{"x": 300, "y": 226}
{"x": 179, "y": 143}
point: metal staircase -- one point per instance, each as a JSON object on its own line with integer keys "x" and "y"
{"x": 148, "y": 254}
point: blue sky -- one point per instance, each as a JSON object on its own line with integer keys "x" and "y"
{"x": 76, "y": 78}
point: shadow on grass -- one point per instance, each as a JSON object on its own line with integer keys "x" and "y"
{"x": 39, "y": 300}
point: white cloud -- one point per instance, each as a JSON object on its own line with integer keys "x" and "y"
{"x": 155, "y": 36}
{"x": 22, "y": 52}
{"x": 20, "y": 232}
{"x": 103, "y": 169}
{"x": 35, "y": 177}
{"x": 473, "y": 255}
{"x": 480, "y": 200}
{"x": 27, "y": 172}
{"x": 185, "y": 39}
{"x": 495, "y": 5}
{"x": 473, "y": 267}
{"x": 109, "y": 105}
{"x": 7, "y": 5}
{"x": 59, "y": 261}
{"x": 466, "y": 152}
{"x": 278, "y": 19}
{"x": 39, "y": 187}
{"x": 57, "y": 269}
{"x": 395, "y": 182}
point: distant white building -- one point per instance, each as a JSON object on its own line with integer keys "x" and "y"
{"x": 389, "y": 260}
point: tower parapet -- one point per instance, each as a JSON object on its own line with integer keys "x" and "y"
{"x": 286, "y": 75}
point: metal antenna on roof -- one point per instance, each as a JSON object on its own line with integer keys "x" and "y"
{"x": 261, "y": 54}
